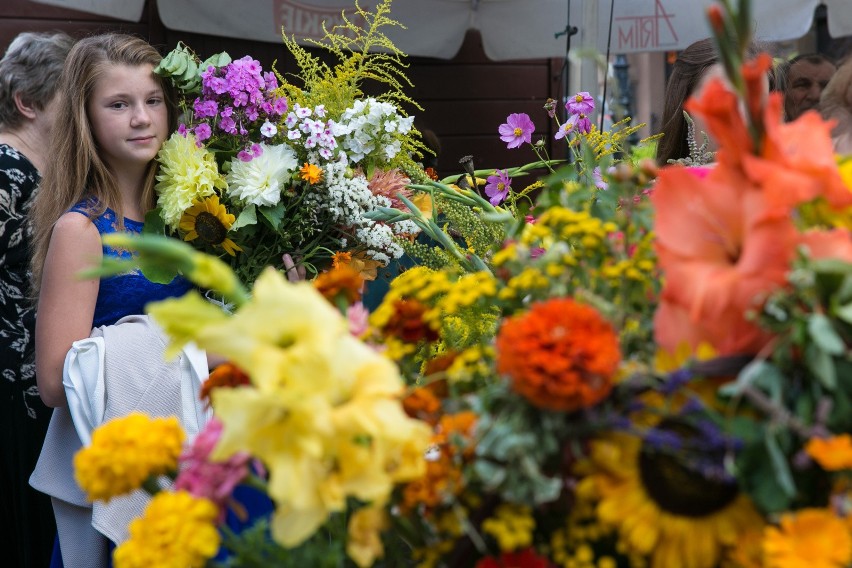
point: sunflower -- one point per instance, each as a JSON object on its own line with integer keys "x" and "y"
{"x": 208, "y": 220}
{"x": 662, "y": 510}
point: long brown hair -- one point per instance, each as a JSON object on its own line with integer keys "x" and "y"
{"x": 691, "y": 65}
{"x": 75, "y": 170}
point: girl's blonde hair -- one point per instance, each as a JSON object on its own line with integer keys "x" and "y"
{"x": 75, "y": 170}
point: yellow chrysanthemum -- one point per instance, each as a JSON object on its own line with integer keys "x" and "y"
{"x": 187, "y": 173}
{"x": 209, "y": 221}
{"x": 809, "y": 538}
{"x": 177, "y": 530}
{"x": 125, "y": 452}
{"x": 679, "y": 520}
{"x": 832, "y": 454}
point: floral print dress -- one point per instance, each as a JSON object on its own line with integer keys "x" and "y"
{"x": 23, "y": 417}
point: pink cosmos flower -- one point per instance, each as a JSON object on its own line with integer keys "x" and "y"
{"x": 213, "y": 480}
{"x": 582, "y": 123}
{"x": 517, "y": 130}
{"x": 581, "y": 103}
{"x": 498, "y": 186}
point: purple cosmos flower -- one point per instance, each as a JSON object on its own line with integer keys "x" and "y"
{"x": 498, "y": 186}
{"x": 517, "y": 130}
{"x": 581, "y": 103}
{"x": 600, "y": 183}
{"x": 564, "y": 129}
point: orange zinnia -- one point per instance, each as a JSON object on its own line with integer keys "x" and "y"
{"x": 226, "y": 375}
{"x": 560, "y": 355}
{"x": 343, "y": 282}
{"x": 311, "y": 173}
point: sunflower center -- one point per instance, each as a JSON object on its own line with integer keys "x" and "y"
{"x": 682, "y": 489}
{"x": 209, "y": 228}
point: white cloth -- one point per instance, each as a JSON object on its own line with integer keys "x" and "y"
{"x": 121, "y": 370}
{"x": 85, "y": 386}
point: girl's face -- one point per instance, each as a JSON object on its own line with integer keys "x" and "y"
{"x": 128, "y": 116}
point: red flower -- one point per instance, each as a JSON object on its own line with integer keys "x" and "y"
{"x": 526, "y": 558}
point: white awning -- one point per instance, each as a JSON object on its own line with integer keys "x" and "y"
{"x": 510, "y": 29}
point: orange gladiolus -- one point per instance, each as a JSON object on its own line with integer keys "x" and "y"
{"x": 726, "y": 239}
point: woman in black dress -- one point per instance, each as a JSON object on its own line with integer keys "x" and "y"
{"x": 28, "y": 74}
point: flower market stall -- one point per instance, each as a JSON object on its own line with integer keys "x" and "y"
{"x": 593, "y": 364}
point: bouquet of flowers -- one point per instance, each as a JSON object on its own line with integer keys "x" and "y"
{"x": 262, "y": 167}
{"x": 616, "y": 366}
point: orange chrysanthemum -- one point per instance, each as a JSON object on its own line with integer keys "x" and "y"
{"x": 407, "y": 323}
{"x": 226, "y": 375}
{"x": 311, "y": 173}
{"x": 832, "y": 454}
{"x": 561, "y": 355}
{"x": 342, "y": 281}
{"x": 809, "y": 537}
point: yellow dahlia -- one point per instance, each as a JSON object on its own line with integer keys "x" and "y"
{"x": 187, "y": 173}
{"x": 125, "y": 452}
{"x": 177, "y": 530}
{"x": 677, "y": 519}
{"x": 209, "y": 221}
{"x": 809, "y": 538}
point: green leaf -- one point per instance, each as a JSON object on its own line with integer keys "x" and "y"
{"x": 822, "y": 366}
{"x": 154, "y": 224}
{"x": 824, "y": 334}
{"x": 274, "y": 215}
{"x": 780, "y": 465}
{"x": 248, "y": 216}
{"x": 759, "y": 373}
{"x": 844, "y": 312}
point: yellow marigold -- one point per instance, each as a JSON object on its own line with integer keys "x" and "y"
{"x": 511, "y": 526}
{"x": 177, "y": 530}
{"x": 832, "y": 454}
{"x": 809, "y": 537}
{"x": 125, "y": 452}
{"x": 187, "y": 174}
{"x": 342, "y": 281}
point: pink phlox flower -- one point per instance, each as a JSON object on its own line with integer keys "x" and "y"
{"x": 182, "y": 130}
{"x": 202, "y": 132}
{"x": 279, "y": 107}
{"x": 357, "y": 316}
{"x": 536, "y": 252}
{"x": 517, "y": 130}
{"x": 214, "y": 480}
{"x": 529, "y": 219}
{"x": 581, "y": 103}
{"x": 498, "y": 186}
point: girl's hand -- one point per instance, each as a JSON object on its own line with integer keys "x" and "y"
{"x": 294, "y": 272}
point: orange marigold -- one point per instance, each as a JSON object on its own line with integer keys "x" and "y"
{"x": 421, "y": 403}
{"x": 342, "y": 281}
{"x": 832, "y": 454}
{"x": 310, "y": 173}
{"x": 226, "y": 375}
{"x": 407, "y": 323}
{"x": 560, "y": 355}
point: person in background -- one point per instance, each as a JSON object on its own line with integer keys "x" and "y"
{"x": 115, "y": 114}
{"x": 29, "y": 72}
{"x": 804, "y": 79}
{"x": 695, "y": 66}
{"x": 836, "y": 104}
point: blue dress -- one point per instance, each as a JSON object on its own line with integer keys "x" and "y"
{"x": 122, "y": 295}
{"x": 125, "y": 295}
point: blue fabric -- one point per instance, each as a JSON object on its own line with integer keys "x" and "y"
{"x": 257, "y": 505}
{"x": 126, "y": 294}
